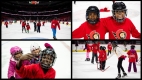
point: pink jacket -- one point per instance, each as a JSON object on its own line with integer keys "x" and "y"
{"x": 12, "y": 68}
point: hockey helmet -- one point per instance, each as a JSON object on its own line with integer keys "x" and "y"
{"x": 93, "y": 9}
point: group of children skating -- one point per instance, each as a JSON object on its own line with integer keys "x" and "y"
{"x": 99, "y": 52}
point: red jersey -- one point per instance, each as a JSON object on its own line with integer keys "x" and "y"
{"x": 88, "y": 31}
{"x": 102, "y": 55}
{"x": 88, "y": 47}
{"x": 95, "y": 48}
{"x": 122, "y": 30}
{"x": 38, "y": 24}
{"x": 54, "y": 24}
{"x": 23, "y": 24}
{"x": 132, "y": 55}
{"x": 6, "y": 23}
{"x": 28, "y": 27}
{"x": 98, "y": 44}
{"x": 43, "y": 23}
{"x": 109, "y": 46}
{"x": 34, "y": 71}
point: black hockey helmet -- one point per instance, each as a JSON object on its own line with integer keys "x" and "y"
{"x": 132, "y": 46}
{"x": 114, "y": 43}
{"x": 51, "y": 57}
{"x": 95, "y": 10}
{"x": 104, "y": 48}
{"x": 101, "y": 47}
{"x": 119, "y": 6}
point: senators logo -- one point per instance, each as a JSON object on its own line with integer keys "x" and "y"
{"x": 93, "y": 35}
{"x": 120, "y": 34}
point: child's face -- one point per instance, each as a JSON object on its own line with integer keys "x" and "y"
{"x": 92, "y": 16}
{"x": 36, "y": 52}
{"x": 46, "y": 60}
{"x": 17, "y": 56}
{"x": 120, "y": 14}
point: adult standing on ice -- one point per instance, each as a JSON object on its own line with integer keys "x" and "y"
{"x": 35, "y": 26}
{"x": 54, "y": 24}
{"x": 23, "y": 26}
{"x": 121, "y": 56}
{"x": 38, "y": 26}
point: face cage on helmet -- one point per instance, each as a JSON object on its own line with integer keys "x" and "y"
{"x": 90, "y": 21}
{"x": 119, "y": 20}
{"x": 54, "y": 58}
{"x": 48, "y": 66}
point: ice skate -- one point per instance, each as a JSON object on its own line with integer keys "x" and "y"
{"x": 54, "y": 38}
{"x": 124, "y": 74}
{"x": 88, "y": 59}
{"x": 92, "y": 62}
{"x": 119, "y": 76}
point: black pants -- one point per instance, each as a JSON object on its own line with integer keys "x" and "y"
{"x": 38, "y": 29}
{"x": 119, "y": 65}
{"x": 23, "y": 28}
{"x": 6, "y": 26}
{"x": 34, "y": 28}
{"x": 102, "y": 65}
{"x": 94, "y": 55}
{"x": 109, "y": 51}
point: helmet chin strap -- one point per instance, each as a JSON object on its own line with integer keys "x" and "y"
{"x": 93, "y": 22}
{"x": 119, "y": 20}
{"x": 45, "y": 66}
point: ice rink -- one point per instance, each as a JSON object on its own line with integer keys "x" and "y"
{"x": 62, "y": 48}
{"x": 79, "y": 12}
{"x": 85, "y": 69}
{"x": 14, "y": 31}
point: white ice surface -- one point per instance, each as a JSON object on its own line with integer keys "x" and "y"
{"x": 85, "y": 69}
{"x": 14, "y": 31}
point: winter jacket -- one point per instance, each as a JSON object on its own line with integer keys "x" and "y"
{"x": 6, "y": 23}
{"x": 102, "y": 55}
{"x": 34, "y": 61}
{"x": 119, "y": 53}
{"x": 109, "y": 46}
{"x": 88, "y": 47}
{"x": 23, "y": 24}
{"x": 95, "y": 48}
{"x": 132, "y": 55}
{"x": 54, "y": 24}
{"x": 39, "y": 24}
{"x": 12, "y": 68}
{"x": 28, "y": 27}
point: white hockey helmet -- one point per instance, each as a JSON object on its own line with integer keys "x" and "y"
{"x": 34, "y": 46}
